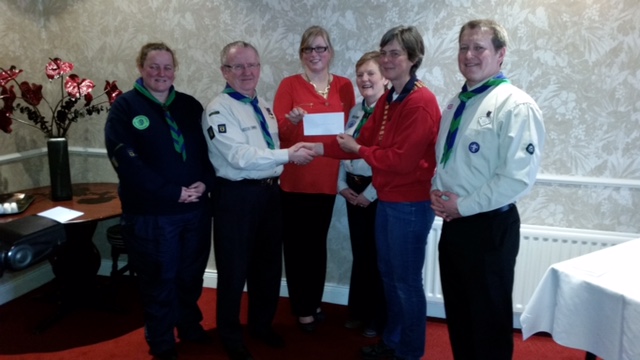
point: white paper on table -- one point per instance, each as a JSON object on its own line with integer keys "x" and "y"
{"x": 323, "y": 124}
{"x": 60, "y": 214}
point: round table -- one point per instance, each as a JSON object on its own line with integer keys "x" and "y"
{"x": 75, "y": 263}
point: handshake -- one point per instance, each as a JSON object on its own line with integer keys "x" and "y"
{"x": 303, "y": 153}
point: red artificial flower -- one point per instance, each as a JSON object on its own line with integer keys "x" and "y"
{"x": 76, "y": 87}
{"x": 8, "y": 75}
{"x": 112, "y": 91}
{"x": 88, "y": 98}
{"x": 31, "y": 93}
{"x": 5, "y": 121}
{"x": 63, "y": 112}
{"x": 8, "y": 96}
{"x": 56, "y": 68}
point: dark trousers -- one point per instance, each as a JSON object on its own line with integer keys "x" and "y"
{"x": 169, "y": 254}
{"x": 477, "y": 260}
{"x": 248, "y": 248}
{"x": 366, "y": 295}
{"x": 307, "y": 218}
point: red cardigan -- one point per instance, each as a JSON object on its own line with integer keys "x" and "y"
{"x": 403, "y": 162}
{"x": 319, "y": 176}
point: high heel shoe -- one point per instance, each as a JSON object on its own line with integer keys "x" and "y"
{"x": 308, "y": 327}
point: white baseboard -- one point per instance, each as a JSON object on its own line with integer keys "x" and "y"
{"x": 15, "y": 284}
{"x": 336, "y": 294}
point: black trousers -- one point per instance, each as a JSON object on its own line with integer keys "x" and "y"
{"x": 477, "y": 259}
{"x": 366, "y": 295}
{"x": 169, "y": 254}
{"x": 307, "y": 218}
{"x": 247, "y": 227}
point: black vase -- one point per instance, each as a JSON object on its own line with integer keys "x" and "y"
{"x": 59, "y": 171}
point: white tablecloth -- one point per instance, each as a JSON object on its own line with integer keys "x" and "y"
{"x": 591, "y": 302}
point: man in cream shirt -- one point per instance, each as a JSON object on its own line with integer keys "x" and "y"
{"x": 488, "y": 154}
{"x": 242, "y": 137}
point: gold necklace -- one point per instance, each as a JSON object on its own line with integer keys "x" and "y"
{"x": 324, "y": 93}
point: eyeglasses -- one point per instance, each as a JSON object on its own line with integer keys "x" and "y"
{"x": 238, "y": 68}
{"x": 393, "y": 54}
{"x": 317, "y": 49}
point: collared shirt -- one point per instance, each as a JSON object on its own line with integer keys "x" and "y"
{"x": 497, "y": 153}
{"x": 237, "y": 148}
{"x": 356, "y": 166}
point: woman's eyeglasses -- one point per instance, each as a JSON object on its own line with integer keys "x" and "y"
{"x": 317, "y": 49}
{"x": 392, "y": 54}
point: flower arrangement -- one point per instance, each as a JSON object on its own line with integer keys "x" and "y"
{"x": 63, "y": 113}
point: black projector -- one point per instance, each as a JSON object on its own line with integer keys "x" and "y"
{"x": 27, "y": 241}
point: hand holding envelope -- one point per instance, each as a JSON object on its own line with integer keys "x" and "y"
{"x": 348, "y": 143}
{"x": 319, "y": 123}
{"x": 295, "y": 115}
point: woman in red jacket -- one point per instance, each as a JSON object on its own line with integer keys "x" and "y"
{"x": 309, "y": 192}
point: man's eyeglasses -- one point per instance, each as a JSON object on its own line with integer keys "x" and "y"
{"x": 238, "y": 68}
{"x": 317, "y": 49}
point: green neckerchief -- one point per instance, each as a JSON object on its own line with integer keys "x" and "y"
{"x": 464, "y": 96}
{"x": 176, "y": 134}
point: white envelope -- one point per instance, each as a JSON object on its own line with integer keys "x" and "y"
{"x": 61, "y": 214}
{"x": 323, "y": 124}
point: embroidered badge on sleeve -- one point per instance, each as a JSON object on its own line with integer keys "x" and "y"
{"x": 531, "y": 149}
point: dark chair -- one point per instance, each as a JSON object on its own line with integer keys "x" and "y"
{"x": 114, "y": 237}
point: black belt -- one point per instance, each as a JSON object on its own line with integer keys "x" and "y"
{"x": 358, "y": 179}
{"x": 262, "y": 182}
{"x": 500, "y": 209}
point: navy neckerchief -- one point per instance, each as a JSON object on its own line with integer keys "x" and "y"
{"x": 264, "y": 127}
{"x": 406, "y": 90}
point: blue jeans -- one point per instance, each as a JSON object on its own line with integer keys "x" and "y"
{"x": 401, "y": 239}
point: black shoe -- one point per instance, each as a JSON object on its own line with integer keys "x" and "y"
{"x": 269, "y": 337}
{"x": 202, "y": 338}
{"x": 379, "y": 350}
{"x": 194, "y": 334}
{"x": 169, "y": 354}
{"x": 238, "y": 352}
{"x": 369, "y": 332}
{"x": 320, "y": 316}
{"x": 308, "y": 327}
{"x": 352, "y": 324}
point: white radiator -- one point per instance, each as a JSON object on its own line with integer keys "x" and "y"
{"x": 540, "y": 247}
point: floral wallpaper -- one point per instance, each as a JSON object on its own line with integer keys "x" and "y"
{"x": 580, "y": 59}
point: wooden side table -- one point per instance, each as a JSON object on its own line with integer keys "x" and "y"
{"x": 76, "y": 262}
{"x": 98, "y": 201}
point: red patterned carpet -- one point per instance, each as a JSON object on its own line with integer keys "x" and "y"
{"x": 113, "y": 330}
